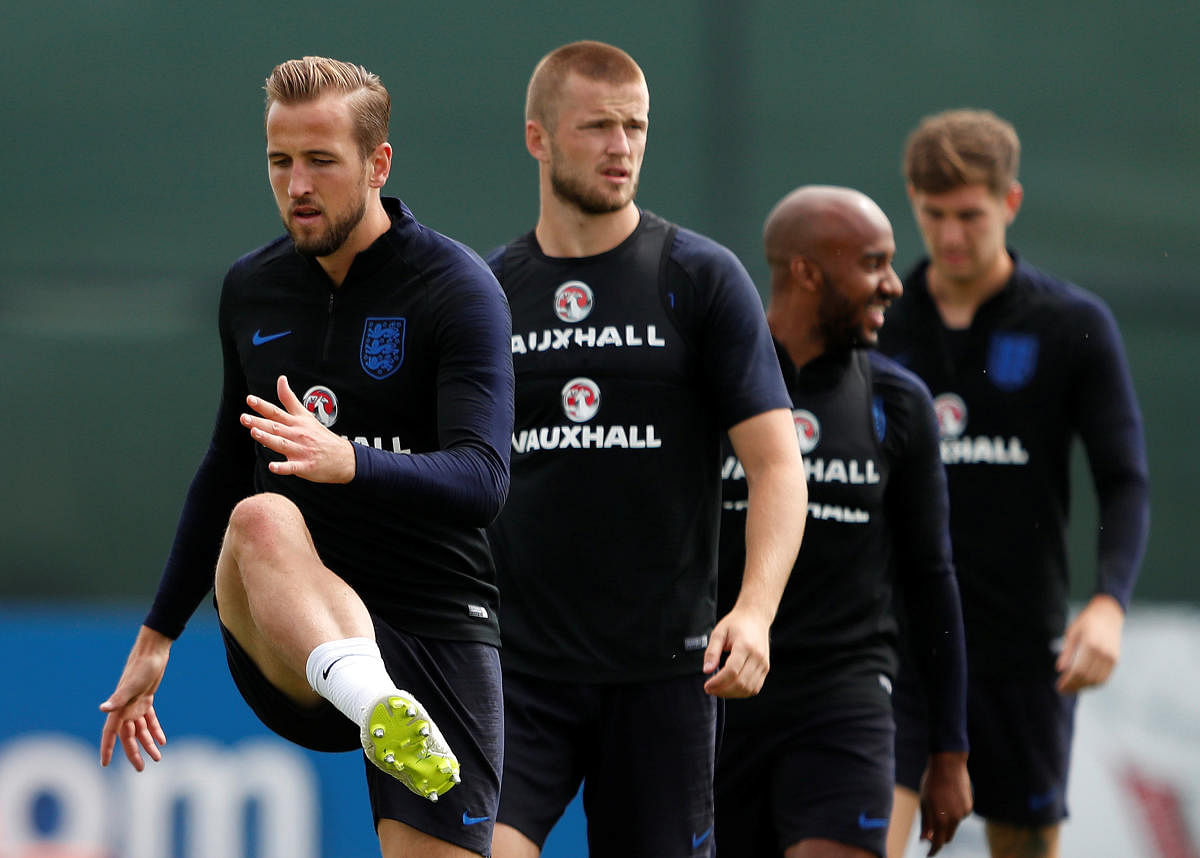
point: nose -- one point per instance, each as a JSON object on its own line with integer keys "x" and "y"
{"x": 299, "y": 182}
{"x": 892, "y": 286}
{"x": 950, "y": 231}
{"x": 618, "y": 142}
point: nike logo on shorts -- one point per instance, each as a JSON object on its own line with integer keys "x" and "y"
{"x": 866, "y": 823}
{"x": 698, "y": 839}
{"x": 473, "y": 820}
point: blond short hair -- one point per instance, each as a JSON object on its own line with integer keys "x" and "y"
{"x": 311, "y": 78}
{"x": 592, "y": 60}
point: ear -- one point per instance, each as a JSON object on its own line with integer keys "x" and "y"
{"x": 1012, "y": 200}
{"x": 380, "y": 165}
{"x": 537, "y": 140}
{"x": 805, "y": 273}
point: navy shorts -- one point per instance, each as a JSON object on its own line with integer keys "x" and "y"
{"x": 643, "y": 752}
{"x": 1020, "y": 729}
{"x": 912, "y": 729}
{"x": 458, "y": 682}
{"x": 821, "y": 773}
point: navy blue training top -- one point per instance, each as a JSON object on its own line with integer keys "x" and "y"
{"x": 1041, "y": 364}
{"x": 877, "y": 520}
{"x": 630, "y": 365}
{"x": 409, "y": 359}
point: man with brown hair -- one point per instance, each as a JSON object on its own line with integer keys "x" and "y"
{"x": 1019, "y": 363}
{"x": 636, "y": 344}
{"x": 353, "y": 581}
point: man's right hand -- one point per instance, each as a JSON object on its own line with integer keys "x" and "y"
{"x": 130, "y": 708}
{"x": 945, "y": 797}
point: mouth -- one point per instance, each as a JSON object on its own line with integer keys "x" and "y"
{"x": 876, "y": 312}
{"x": 305, "y": 214}
{"x": 616, "y": 175}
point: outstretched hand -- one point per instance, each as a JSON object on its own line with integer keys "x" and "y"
{"x": 311, "y": 451}
{"x": 130, "y": 708}
{"x": 746, "y": 639}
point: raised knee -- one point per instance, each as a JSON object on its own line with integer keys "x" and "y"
{"x": 262, "y": 523}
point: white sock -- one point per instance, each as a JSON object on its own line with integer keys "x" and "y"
{"x": 350, "y": 674}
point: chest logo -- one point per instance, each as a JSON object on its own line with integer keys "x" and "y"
{"x": 951, "y": 414}
{"x": 322, "y": 404}
{"x": 382, "y": 349}
{"x": 1012, "y": 360}
{"x": 573, "y": 301}
{"x": 580, "y": 399}
{"x": 808, "y": 430}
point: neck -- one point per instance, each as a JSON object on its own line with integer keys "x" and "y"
{"x": 375, "y": 222}
{"x": 801, "y": 342}
{"x": 958, "y": 299}
{"x": 565, "y": 231}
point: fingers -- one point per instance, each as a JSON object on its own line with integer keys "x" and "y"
{"x": 746, "y": 666}
{"x": 716, "y": 646}
{"x": 288, "y": 398}
{"x": 741, "y": 676}
{"x": 135, "y": 734}
{"x": 939, "y": 832}
{"x": 1088, "y": 670}
{"x": 108, "y": 740}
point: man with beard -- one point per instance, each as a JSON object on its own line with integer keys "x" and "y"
{"x": 1020, "y": 364}
{"x": 353, "y": 581}
{"x": 806, "y": 767}
{"x": 636, "y": 344}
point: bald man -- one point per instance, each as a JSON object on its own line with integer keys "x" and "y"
{"x": 806, "y": 767}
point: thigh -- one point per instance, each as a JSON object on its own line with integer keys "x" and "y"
{"x": 546, "y": 735}
{"x": 834, "y": 778}
{"x": 745, "y": 771}
{"x": 319, "y": 728}
{"x": 911, "y": 714}
{"x": 1020, "y": 731}
{"x": 648, "y": 787}
{"x": 459, "y": 684}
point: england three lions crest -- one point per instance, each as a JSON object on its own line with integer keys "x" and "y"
{"x": 382, "y": 349}
{"x": 1012, "y": 360}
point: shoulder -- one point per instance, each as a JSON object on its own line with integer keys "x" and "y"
{"x": 270, "y": 255}
{"x": 497, "y": 258}
{"x": 265, "y": 271}
{"x": 1069, "y": 308}
{"x": 904, "y": 397}
{"x": 439, "y": 259}
{"x": 895, "y": 381}
{"x": 907, "y": 405}
{"x": 702, "y": 257}
{"x": 1038, "y": 285}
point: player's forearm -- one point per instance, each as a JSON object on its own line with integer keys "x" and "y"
{"x": 938, "y": 646}
{"x": 777, "y": 509}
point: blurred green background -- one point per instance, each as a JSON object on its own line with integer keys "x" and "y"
{"x": 135, "y": 173}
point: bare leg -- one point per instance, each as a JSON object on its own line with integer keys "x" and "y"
{"x": 1019, "y": 841}
{"x": 507, "y": 842}
{"x": 816, "y": 847}
{"x": 276, "y": 596}
{"x": 905, "y": 804}
{"x": 397, "y": 840}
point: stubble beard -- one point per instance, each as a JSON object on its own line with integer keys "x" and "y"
{"x": 330, "y": 241}
{"x": 573, "y": 191}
